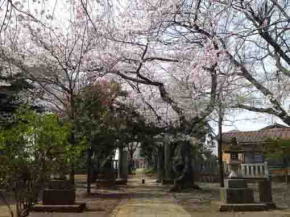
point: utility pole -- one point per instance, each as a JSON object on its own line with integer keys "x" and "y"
{"x": 220, "y": 141}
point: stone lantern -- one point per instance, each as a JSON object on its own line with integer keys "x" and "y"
{"x": 234, "y": 162}
{"x": 236, "y": 196}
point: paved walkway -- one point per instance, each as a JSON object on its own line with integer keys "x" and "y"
{"x": 148, "y": 200}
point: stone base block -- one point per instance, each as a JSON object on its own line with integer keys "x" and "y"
{"x": 104, "y": 183}
{"x": 237, "y": 195}
{"x": 243, "y": 207}
{"x": 77, "y": 207}
{"x": 167, "y": 182}
{"x": 121, "y": 181}
{"x": 271, "y": 205}
{"x": 236, "y": 183}
{"x": 58, "y": 197}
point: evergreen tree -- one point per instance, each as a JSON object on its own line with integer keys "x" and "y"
{"x": 12, "y": 95}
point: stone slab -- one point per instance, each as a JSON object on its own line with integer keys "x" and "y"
{"x": 77, "y": 207}
{"x": 246, "y": 207}
{"x": 58, "y": 197}
{"x": 237, "y": 195}
{"x": 236, "y": 183}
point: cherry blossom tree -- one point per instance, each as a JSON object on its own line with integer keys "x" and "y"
{"x": 173, "y": 56}
{"x": 174, "y": 70}
{"x": 265, "y": 46}
{"x": 254, "y": 36}
{"x": 54, "y": 53}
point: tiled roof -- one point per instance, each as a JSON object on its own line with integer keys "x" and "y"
{"x": 257, "y": 136}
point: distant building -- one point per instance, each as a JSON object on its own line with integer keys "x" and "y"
{"x": 139, "y": 160}
{"x": 251, "y": 143}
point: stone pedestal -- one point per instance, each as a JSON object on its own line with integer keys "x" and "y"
{"x": 59, "y": 192}
{"x": 265, "y": 193}
{"x": 106, "y": 177}
{"x": 236, "y": 191}
{"x": 236, "y": 196}
{"x": 122, "y": 167}
{"x": 59, "y": 197}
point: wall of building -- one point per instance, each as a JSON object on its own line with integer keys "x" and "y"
{"x": 226, "y": 157}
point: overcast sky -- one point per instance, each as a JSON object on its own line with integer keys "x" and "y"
{"x": 247, "y": 121}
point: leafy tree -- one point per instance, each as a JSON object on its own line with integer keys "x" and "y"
{"x": 13, "y": 90}
{"x": 105, "y": 122}
{"x": 97, "y": 121}
{"x": 32, "y": 149}
{"x": 135, "y": 131}
{"x": 277, "y": 148}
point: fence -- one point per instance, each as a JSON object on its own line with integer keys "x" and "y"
{"x": 206, "y": 171}
{"x": 252, "y": 170}
{"x": 256, "y": 170}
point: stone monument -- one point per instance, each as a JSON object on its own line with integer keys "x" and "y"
{"x": 106, "y": 177}
{"x": 59, "y": 192}
{"x": 122, "y": 167}
{"x": 236, "y": 196}
{"x": 59, "y": 197}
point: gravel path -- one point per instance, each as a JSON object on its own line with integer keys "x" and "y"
{"x": 149, "y": 200}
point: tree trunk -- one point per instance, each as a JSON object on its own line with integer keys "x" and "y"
{"x": 160, "y": 163}
{"x": 168, "y": 165}
{"x": 72, "y": 174}
{"x": 89, "y": 170}
{"x": 183, "y": 169}
{"x": 72, "y": 171}
{"x": 155, "y": 162}
{"x": 131, "y": 162}
{"x": 3, "y": 198}
{"x": 73, "y": 139}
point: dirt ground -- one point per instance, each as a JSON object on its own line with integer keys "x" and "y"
{"x": 99, "y": 204}
{"x": 204, "y": 203}
{"x": 197, "y": 203}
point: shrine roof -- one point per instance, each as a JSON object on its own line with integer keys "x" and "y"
{"x": 258, "y": 136}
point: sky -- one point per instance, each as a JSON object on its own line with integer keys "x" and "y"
{"x": 248, "y": 121}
